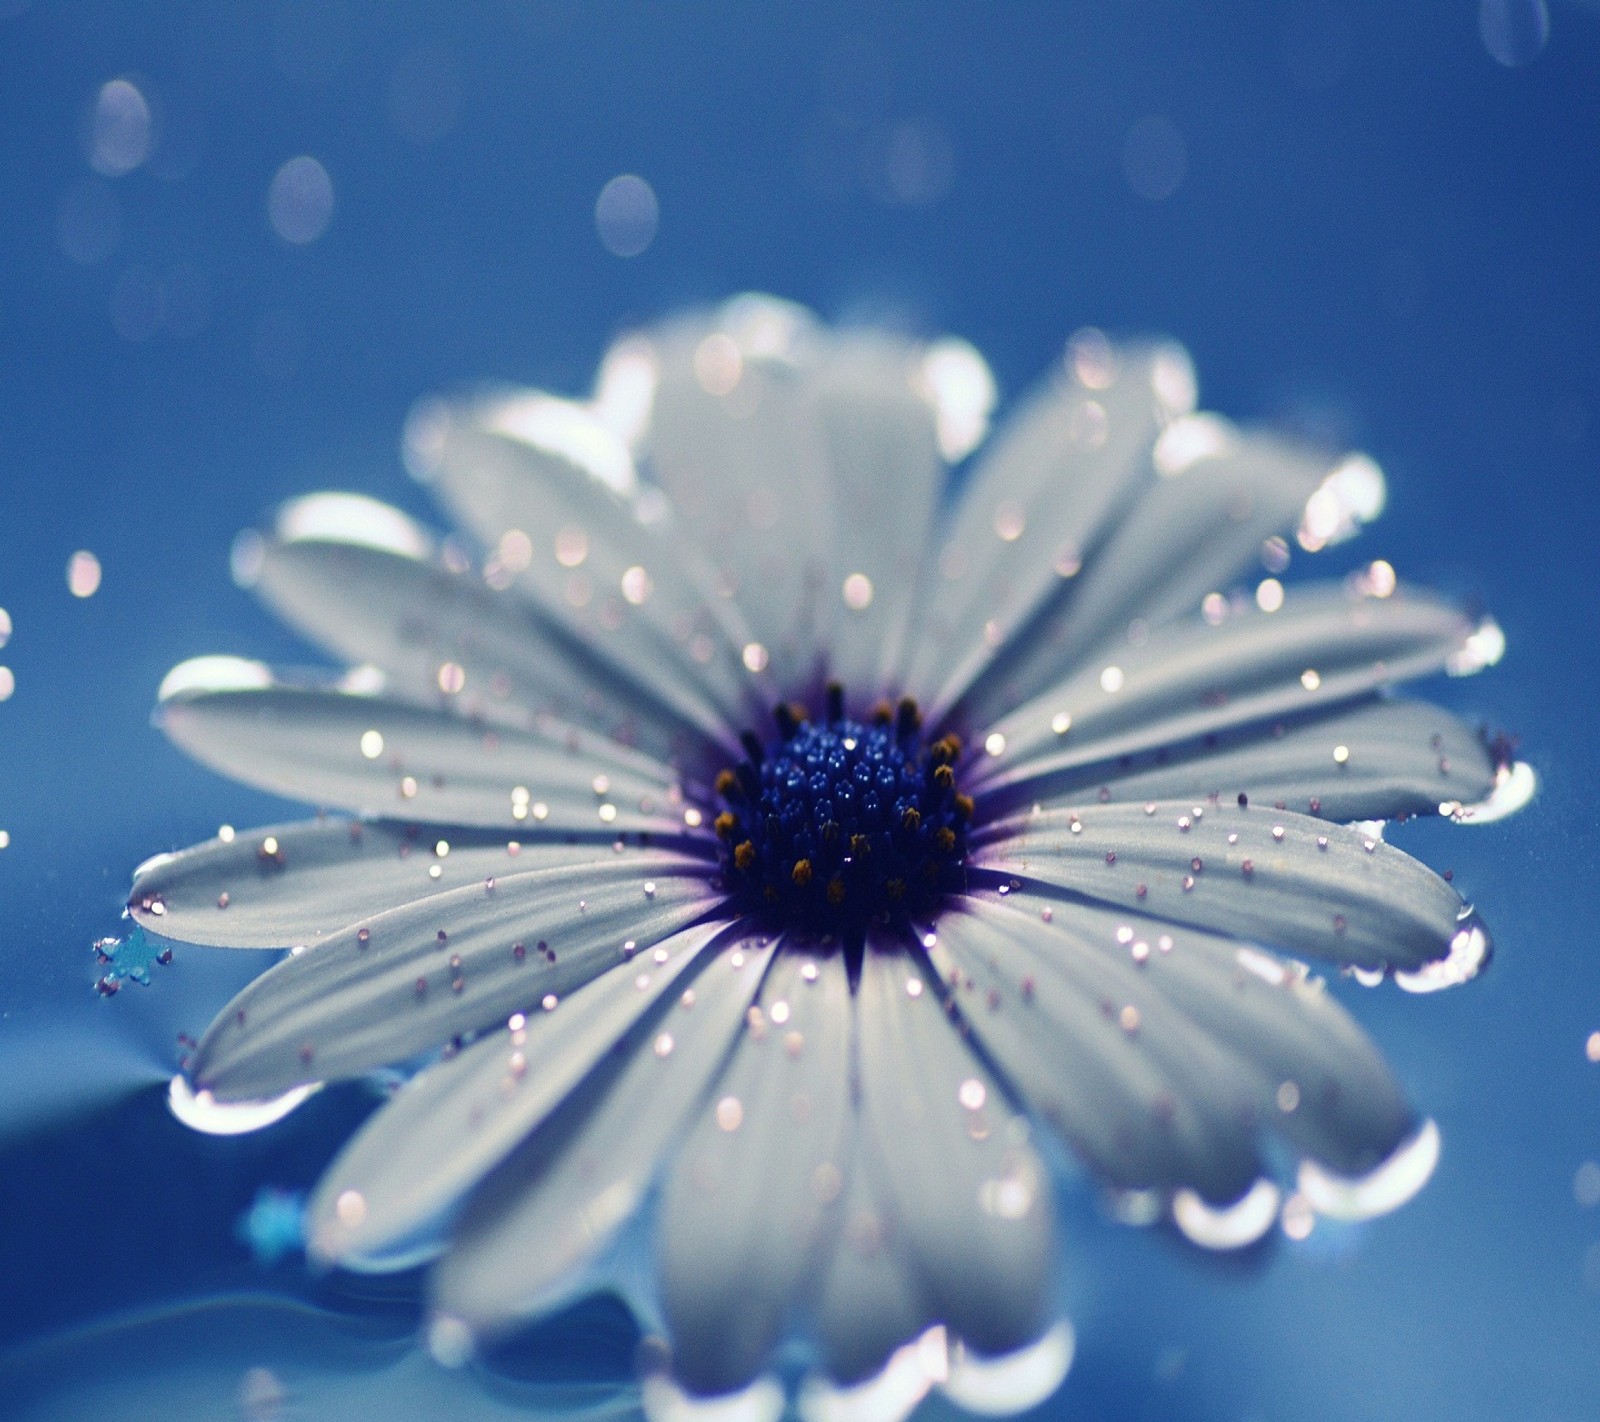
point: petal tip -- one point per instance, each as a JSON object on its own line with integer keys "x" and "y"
{"x": 201, "y": 1111}
{"x": 352, "y": 518}
{"x": 1385, "y": 1188}
{"x": 1233, "y": 1226}
{"x": 1013, "y": 1382}
{"x": 216, "y": 673}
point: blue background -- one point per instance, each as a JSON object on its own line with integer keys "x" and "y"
{"x": 1381, "y": 235}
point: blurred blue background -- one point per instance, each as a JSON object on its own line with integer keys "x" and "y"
{"x": 1373, "y": 222}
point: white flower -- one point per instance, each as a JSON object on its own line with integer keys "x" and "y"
{"x": 1033, "y": 814}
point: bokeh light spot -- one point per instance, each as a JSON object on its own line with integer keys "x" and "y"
{"x": 626, "y": 215}
{"x": 83, "y": 574}
{"x": 300, "y": 200}
{"x": 1154, "y": 158}
{"x": 119, "y": 137}
{"x": 1514, "y": 31}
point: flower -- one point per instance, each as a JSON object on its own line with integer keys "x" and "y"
{"x": 769, "y": 837}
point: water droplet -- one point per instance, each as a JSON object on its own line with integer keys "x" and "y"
{"x": 857, "y": 592}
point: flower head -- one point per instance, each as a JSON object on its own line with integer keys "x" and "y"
{"x": 767, "y": 819}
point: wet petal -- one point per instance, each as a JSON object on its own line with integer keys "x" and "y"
{"x": 373, "y": 754}
{"x": 561, "y": 1197}
{"x": 1140, "y": 1093}
{"x": 1190, "y": 535}
{"x": 733, "y": 441}
{"x": 411, "y": 979}
{"x": 962, "y": 1186}
{"x": 1377, "y": 760}
{"x": 1062, "y": 470}
{"x": 883, "y": 460}
{"x": 1322, "y": 650}
{"x": 553, "y": 493}
{"x": 1286, "y": 880}
{"x": 809, "y": 466}
{"x": 439, "y": 632}
{"x": 1285, "y": 1056}
{"x": 393, "y": 1184}
{"x": 747, "y": 1202}
{"x": 870, "y": 1301}
{"x": 297, "y": 883}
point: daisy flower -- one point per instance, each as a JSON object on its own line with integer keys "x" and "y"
{"x": 751, "y": 828}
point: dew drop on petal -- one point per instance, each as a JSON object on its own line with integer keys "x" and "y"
{"x": 857, "y": 595}
{"x": 1269, "y": 595}
{"x": 729, "y": 1114}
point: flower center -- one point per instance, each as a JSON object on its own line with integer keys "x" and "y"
{"x": 837, "y": 825}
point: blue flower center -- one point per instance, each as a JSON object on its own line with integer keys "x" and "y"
{"x": 840, "y": 824}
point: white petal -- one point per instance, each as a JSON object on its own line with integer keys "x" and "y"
{"x": 393, "y": 1184}
{"x": 551, "y": 491}
{"x": 871, "y": 1300}
{"x": 1296, "y": 883}
{"x": 1063, "y": 468}
{"x": 809, "y": 467}
{"x": 882, "y": 454}
{"x": 437, "y": 630}
{"x": 1195, "y": 680}
{"x": 744, "y": 1209}
{"x": 734, "y": 443}
{"x": 966, "y": 1192}
{"x": 1399, "y": 758}
{"x": 1384, "y": 1188}
{"x": 1186, "y": 537}
{"x": 1138, "y": 1091}
{"x": 433, "y": 766}
{"x": 560, "y": 1198}
{"x": 297, "y": 883}
{"x": 1318, "y": 1079}
{"x": 410, "y": 979}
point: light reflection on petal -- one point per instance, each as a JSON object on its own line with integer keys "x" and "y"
{"x": 352, "y": 518}
{"x": 665, "y": 1401}
{"x": 887, "y": 1396}
{"x": 996, "y": 1387}
{"x": 200, "y": 1111}
{"x": 1230, "y": 1226}
{"x": 1514, "y": 786}
{"x": 217, "y": 673}
{"x": 1386, "y": 1188}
